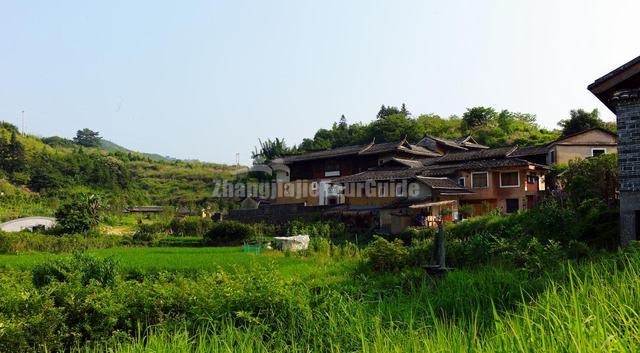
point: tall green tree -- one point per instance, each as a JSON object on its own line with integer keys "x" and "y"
{"x": 12, "y": 158}
{"x": 88, "y": 138}
{"x": 580, "y": 120}
{"x": 478, "y": 116}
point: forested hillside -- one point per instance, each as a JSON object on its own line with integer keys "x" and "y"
{"x": 38, "y": 172}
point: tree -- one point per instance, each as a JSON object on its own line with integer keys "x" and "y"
{"x": 403, "y": 110}
{"x": 79, "y": 215}
{"x": 592, "y": 178}
{"x": 270, "y": 150}
{"x": 11, "y": 154}
{"x": 387, "y": 111}
{"x": 343, "y": 123}
{"x": 87, "y": 138}
{"x": 580, "y": 120}
{"x": 477, "y": 116}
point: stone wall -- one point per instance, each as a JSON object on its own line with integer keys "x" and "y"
{"x": 628, "y": 119}
{"x": 628, "y": 116}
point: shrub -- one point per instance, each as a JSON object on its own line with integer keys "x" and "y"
{"x": 190, "y": 226}
{"x": 149, "y": 232}
{"x": 333, "y": 230}
{"x": 14, "y": 243}
{"x": 229, "y": 232}
{"x": 383, "y": 255}
{"x": 80, "y": 214}
{"x": 411, "y": 234}
{"x": 80, "y": 268}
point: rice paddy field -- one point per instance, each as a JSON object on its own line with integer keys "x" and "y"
{"x": 194, "y": 259}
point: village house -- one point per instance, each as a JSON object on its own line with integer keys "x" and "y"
{"x": 484, "y": 179}
{"x": 394, "y": 185}
{"x": 312, "y": 172}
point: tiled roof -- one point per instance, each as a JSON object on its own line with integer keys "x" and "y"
{"x": 469, "y": 142}
{"x": 530, "y": 151}
{"x": 369, "y": 149}
{"x": 411, "y": 163}
{"x": 461, "y": 143}
{"x": 500, "y": 152}
{"x": 380, "y": 175}
{"x": 448, "y": 169}
{"x": 449, "y": 143}
{"x": 441, "y": 183}
{"x": 335, "y": 152}
{"x": 398, "y": 146}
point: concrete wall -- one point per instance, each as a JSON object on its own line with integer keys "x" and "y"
{"x": 565, "y": 153}
{"x": 581, "y": 145}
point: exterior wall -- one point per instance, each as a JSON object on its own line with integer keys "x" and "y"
{"x": 565, "y": 153}
{"x": 423, "y": 192}
{"x": 486, "y": 199}
{"x": 580, "y": 146}
{"x": 628, "y": 118}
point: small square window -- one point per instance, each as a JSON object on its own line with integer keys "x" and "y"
{"x": 595, "y": 152}
{"x": 462, "y": 181}
{"x": 509, "y": 179}
{"x": 480, "y": 180}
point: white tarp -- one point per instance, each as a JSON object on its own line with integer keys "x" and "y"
{"x": 296, "y": 243}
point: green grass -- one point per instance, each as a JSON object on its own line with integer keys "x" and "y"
{"x": 595, "y": 309}
{"x": 186, "y": 259}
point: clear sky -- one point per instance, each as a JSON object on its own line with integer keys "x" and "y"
{"x": 206, "y": 79}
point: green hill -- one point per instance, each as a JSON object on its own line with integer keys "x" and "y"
{"x": 35, "y": 170}
{"x": 114, "y": 147}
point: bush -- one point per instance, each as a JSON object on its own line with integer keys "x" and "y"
{"x": 383, "y": 255}
{"x": 332, "y": 230}
{"x": 80, "y": 268}
{"x": 149, "y": 232}
{"x": 190, "y": 226}
{"x": 229, "y": 232}
{"x": 80, "y": 214}
{"x": 14, "y": 243}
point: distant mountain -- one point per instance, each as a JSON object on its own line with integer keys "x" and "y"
{"x": 114, "y": 147}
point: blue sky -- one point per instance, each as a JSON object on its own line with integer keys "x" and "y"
{"x": 206, "y": 79}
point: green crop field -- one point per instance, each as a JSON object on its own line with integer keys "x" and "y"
{"x": 189, "y": 259}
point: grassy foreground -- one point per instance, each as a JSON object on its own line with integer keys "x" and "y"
{"x": 590, "y": 308}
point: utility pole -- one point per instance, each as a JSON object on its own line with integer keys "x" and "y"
{"x": 23, "y": 122}
{"x": 237, "y": 159}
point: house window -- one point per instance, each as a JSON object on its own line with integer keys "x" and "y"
{"x": 595, "y": 152}
{"x": 480, "y": 180}
{"x": 552, "y": 156}
{"x": 399, "y": 190}
{"x": 513, "y": 205}
{"x": 509, "y": 179}
{"x": 462, "y": 181}
{"x": 532, "y": 179}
